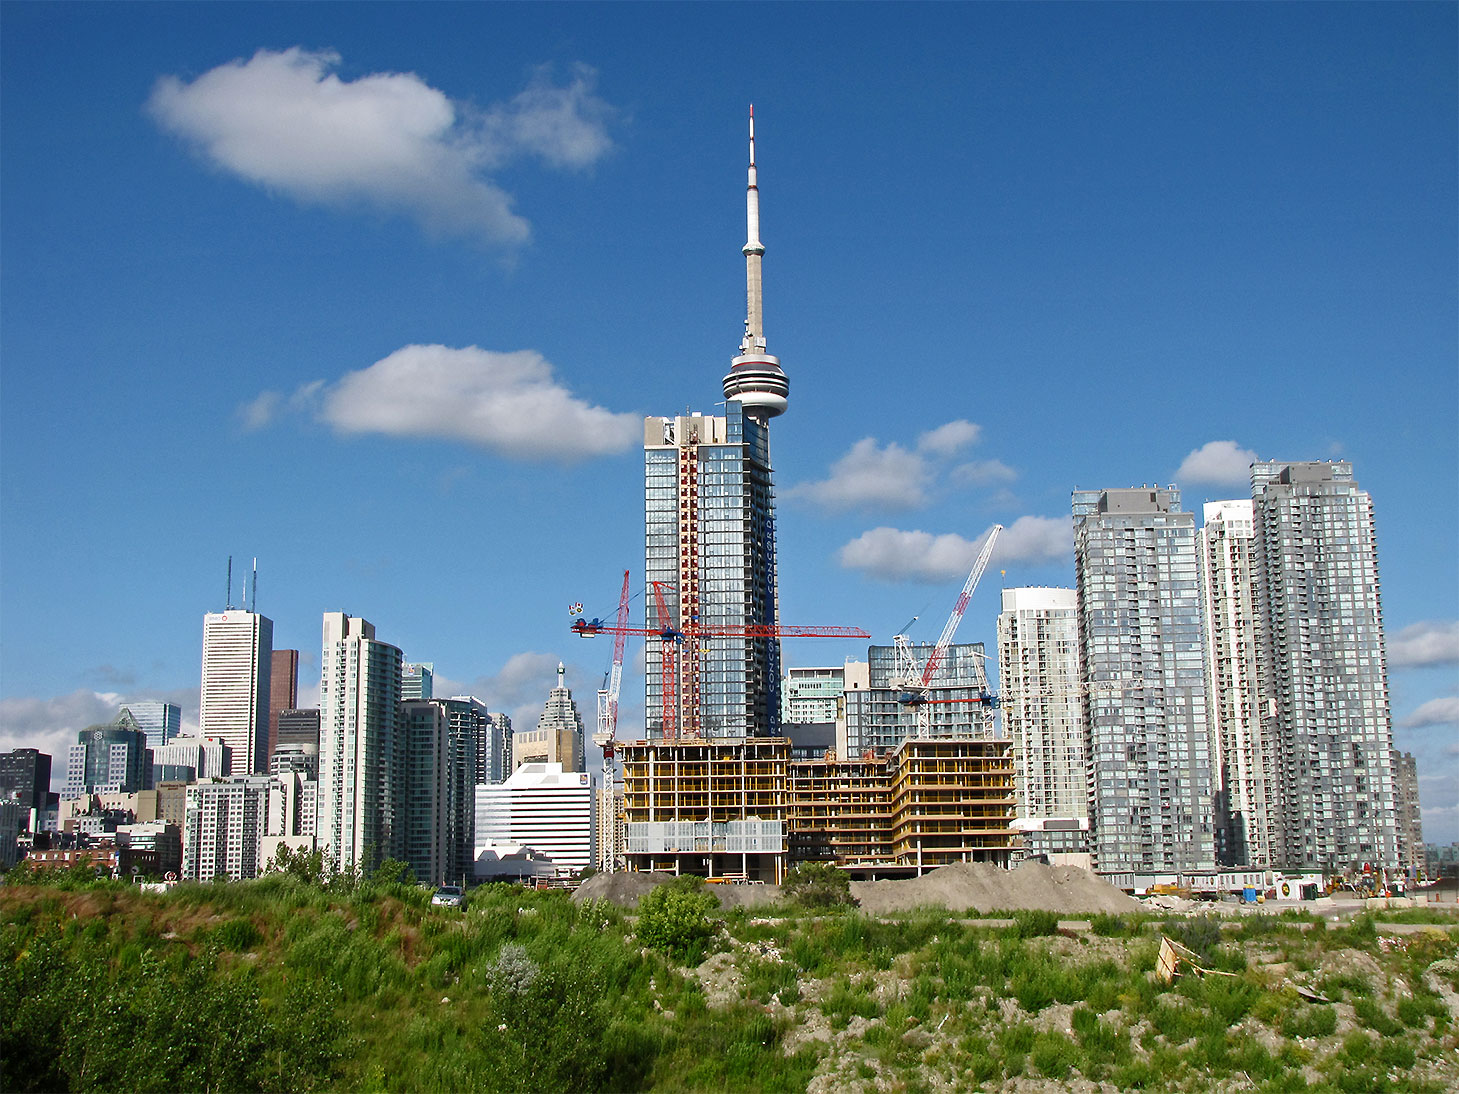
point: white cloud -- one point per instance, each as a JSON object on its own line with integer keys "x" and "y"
{"x": 1036, "y": 539}
{"x": 565, "y": 126}
{"x": 1436, "y": 712}
{"x": 895, "y": 555}
{"x": 1221, "y": 463}
{"x": 949, "y": 439}
{"x": 260, "y": 411}
{"x": 507, "y": 402}
{"x": 870, "y": 476}
{"x": 51, "y": 724}
{"x": 1432, "y": 642}
{"x": 286, "y": 121}
{"x": 982, "y": 473}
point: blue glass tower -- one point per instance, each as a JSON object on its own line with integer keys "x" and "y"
{"x": 709, "y": 544}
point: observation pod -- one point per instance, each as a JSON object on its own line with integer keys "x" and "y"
{"x": 756, "y": 381}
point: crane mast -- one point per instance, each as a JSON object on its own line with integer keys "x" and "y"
{"x": 917, "y": 682}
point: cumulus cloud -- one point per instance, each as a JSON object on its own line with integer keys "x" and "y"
{"x": 51, "y": 723}
{"x": 1220, "y": 463}
{"x": 1436, "y": 712}
{"x": 1422, "y": 645}
{"x": 286, "y": 121}
{"x": 982, "y": 473}
{"x": 1036, "y": 539}
{"x": 893, "y": 554}
{"x": 510, "y": 403}
{"x": 950, "y": 439}
{"x": 870, "y": 476}
{"x": 873, "y": 476}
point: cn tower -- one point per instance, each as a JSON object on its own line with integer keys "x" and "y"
{"x": 755, "y": 378}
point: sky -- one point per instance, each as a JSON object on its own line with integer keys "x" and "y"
{"x": 379, "y": 294}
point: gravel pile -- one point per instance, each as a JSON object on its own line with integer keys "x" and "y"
{"x": 981, "y": 887}
{"x": 622, "y": 889}
{"x": 961, "y": 887}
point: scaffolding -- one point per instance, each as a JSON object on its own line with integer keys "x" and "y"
{"x": 743, "y": 809}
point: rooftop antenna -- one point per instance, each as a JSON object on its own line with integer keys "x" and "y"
{"x": 254, "y": 598}
{"x": 228, "y": 604}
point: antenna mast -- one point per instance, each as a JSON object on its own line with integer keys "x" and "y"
{"x": 254, "y": 598}
{"x": 228, "y": 603}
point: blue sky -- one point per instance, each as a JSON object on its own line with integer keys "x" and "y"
{"x": 377, "y": 293}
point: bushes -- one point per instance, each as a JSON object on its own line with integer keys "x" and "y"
{"x": 818, "y": 886}
{"x": 1029, "y": 923}
{"x": 674, "y": 918}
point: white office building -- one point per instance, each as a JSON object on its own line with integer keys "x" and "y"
{"x": 1038, "y": 668}
{"x": 359, "y": 751}
{"x": 237, "y": 660}
{"x": 543, "y": 807}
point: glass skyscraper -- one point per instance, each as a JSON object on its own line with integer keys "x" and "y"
{"x": 1323, "y": 679}
{"x": 1146, "y": 738}
{"x": 709, "y": 519}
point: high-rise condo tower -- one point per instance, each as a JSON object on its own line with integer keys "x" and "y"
{"x": 709, "y": 519}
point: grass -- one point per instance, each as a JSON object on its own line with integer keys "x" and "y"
{"x": 299, "y": 977}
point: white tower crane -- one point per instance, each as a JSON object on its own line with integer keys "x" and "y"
{"x": 608, "y": 724}
{"x": 915, "y": 682}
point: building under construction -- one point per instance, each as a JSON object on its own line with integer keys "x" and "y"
{"x": 745, "y": 809}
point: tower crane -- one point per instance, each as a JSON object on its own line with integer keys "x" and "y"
{"x": 672, "y": 637}
{"x": 604, "y": 738}
{"x": 608, "y": 696}
{"x": 916, "y": 681}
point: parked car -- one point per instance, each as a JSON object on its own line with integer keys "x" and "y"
{"x": 447, "y": 896}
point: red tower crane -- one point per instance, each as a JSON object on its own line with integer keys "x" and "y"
{"x": 670, "y": 637}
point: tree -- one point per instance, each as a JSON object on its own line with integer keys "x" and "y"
{"x": 818, "y": 886}
{"x": 674, "y": 918}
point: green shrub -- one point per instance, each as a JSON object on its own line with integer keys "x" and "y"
{"x": 1054, "y": 1055}
{"x": 1374, "y": 1017}
{"x": 1034, "y": 924}
{"x": 674, "y": 919}
{"x": 818, "y": 886}
{"x": 1200, "y": 934}
{"x": 1309, "y": 1020}
{"x": 846, "y": 1001}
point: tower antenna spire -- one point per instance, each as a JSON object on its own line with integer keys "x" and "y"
{"x": 755, "y": 379}
{"x": 754, "y": 341}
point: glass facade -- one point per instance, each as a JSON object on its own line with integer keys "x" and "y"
{"x": 877, "y": 719}
{"x": 709, "y": 531}
{"x": 1323, "y": 675}
{"x": 1145, "y": 730}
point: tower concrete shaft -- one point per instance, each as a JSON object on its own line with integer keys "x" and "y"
{"x": 755, "y": 378}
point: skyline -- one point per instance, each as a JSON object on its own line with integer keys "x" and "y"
{"x": 1010, "y": 253}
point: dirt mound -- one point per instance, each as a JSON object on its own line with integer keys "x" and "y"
{"x": 623, "y": 889}
{"x": 982, "y": 887}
